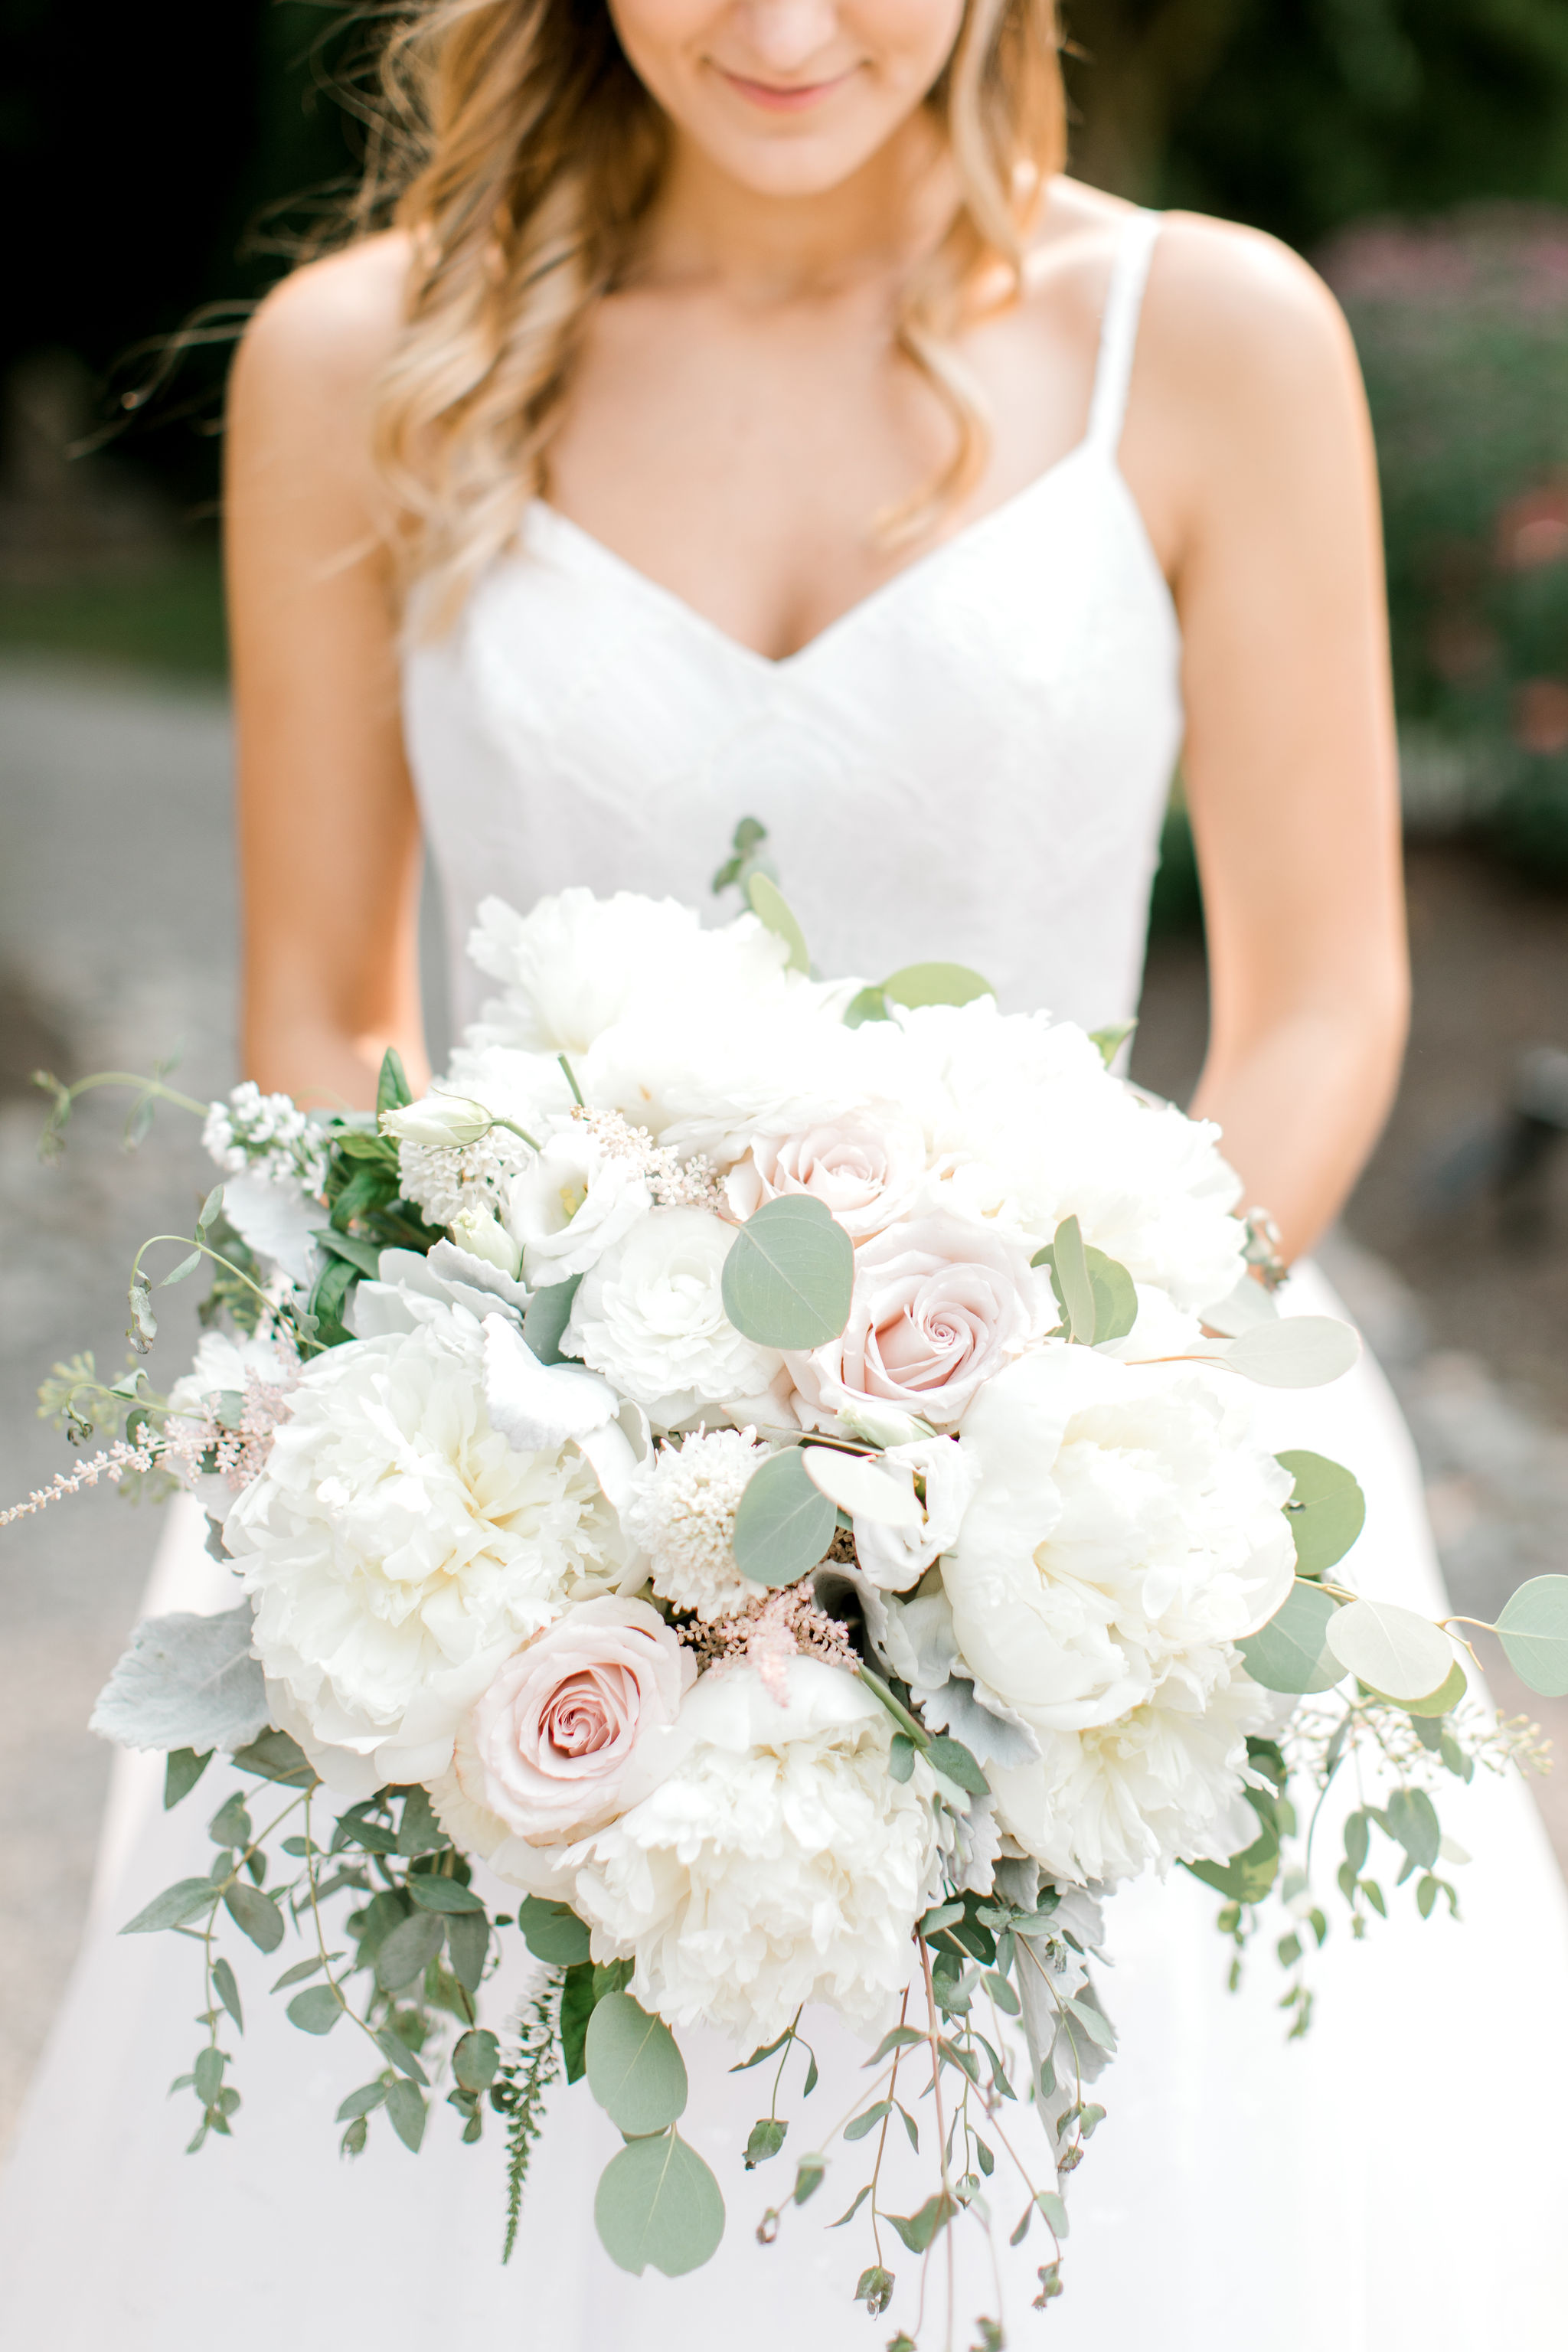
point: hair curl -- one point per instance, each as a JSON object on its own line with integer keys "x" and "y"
{"x": 522, "y": 155}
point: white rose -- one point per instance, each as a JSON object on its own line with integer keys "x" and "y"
{"x": 940, "y": 1305}
{"x": 397, "y": 1549}
{"x": 572, "y": 1203}
{"x": 866, "y": 1168}
{"x": 780, "y": 1863}
{"x": 650, "y": 1316}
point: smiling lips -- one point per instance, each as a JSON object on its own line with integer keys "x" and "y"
{"x": 779, "y": 98}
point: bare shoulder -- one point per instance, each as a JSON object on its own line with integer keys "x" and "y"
{"x": 1235, "y": 316}
{"x": 326, "y": 332}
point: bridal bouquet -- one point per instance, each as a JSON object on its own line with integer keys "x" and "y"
{"x": 761, "y": 1469}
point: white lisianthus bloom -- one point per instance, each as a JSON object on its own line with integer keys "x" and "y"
{"x": 1163, "y": 1784}
{"x": 866, "y": 1167}
{"x": 650, "y": 1316}
{"x": 441, "y": 1121}
{"x": 682, "y": 1515}
{"x": 780, "y": 1863}
{"x": 1125, "y": 1531}
{"x": 575, "y": 965}
{"x": 576, "y": 1202}
{"x": 894, "y": 1558}
{"x": 940, "y": 1305}
{"x": 397, "y": 1549}
{"x": 483, "y": 1235}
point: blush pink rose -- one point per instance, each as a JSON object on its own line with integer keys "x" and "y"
{"x": 866, "y": 1168}
{"x": 559, "y": 1743}
{"x": 940, "y": 1305}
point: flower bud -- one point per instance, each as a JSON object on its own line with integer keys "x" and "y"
{"x": 484, "y": 1236}
{"x": 441, "y": 1121}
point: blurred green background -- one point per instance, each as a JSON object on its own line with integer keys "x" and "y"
{"x": 1417, "y": 150}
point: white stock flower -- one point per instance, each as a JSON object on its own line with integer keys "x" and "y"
{"x": 572, "y": 1203}
{"x": 397, "y": 1549}
{"x": 650, "y": 1316}
{"x": 940, "y": 1305}
{"x": 682, "y": 1515}
{"x": 866, "y": 1167}
{"x": 1125, "y": 1531}
{"x": 780, "y": 1863}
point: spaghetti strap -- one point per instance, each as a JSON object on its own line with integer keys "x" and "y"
{"x": 1119, "y": 328}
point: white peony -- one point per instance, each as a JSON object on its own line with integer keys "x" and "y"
{"x": 682, "y": 1515}
{"x": 940, "y": 1305}
{"x": 575, "y": 965}
{"x": 1124, "y": 1533}
{"x": 650, "y": 1316}
{"x": 397, "y": 1549}
{"x": 573, "y": 1204}
{"x": 779, "y": 1864}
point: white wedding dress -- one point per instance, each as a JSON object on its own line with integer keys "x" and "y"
{"x": 972, "y": 764}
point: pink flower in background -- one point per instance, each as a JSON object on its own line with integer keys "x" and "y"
{"x": 556, "y": 1746}
{"x": 1540, "y": 716}
{"x": 1533, "y": 530}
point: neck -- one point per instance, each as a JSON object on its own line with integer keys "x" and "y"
{"x": 763, "y": 247}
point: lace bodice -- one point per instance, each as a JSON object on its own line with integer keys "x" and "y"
{"x": 971, "y": 763}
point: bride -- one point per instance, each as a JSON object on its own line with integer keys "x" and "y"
{"x": 745, "y": 418}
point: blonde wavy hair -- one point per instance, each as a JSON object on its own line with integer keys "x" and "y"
{"x": 522, "y": 155}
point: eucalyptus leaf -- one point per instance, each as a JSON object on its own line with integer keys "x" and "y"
{"x": 1248, "y": 1876}
{"x": 1534, "y": 1629}
{"x": 433, "y": 1892}
{"x": 315, "y": 2010}
{"x": 784, "y": 1523}
{"x": 767, "y": 2136}
{"x": 1112, "y": 1039}
{"x": 1411, "y": 1820}
{"x": 228, "y": 1990}
{"x": 919, "y": 2230}
{"x": 1442, "y": 1702}
{"x": 954, "y": 1762}
{"x": 176, "y": 1903}
{"x": 1298, "y": 1351}
{"x": 863, "y": 1490}
{"x": 868, "y": 2120}
{"x": 635, "y": 2069}
{"x": 935, "y": 983}
{"x": 408, "y": 1951}
{"x": 1070, "y": 1271}
{"x": 1326, "y": 1511}
{"x": 1395, "y": 1652}
{"x": 475, "y": 2060}
{"x": 401, "y": 2055}
{"x": 773, "y": 909}
{"x": 468, "y": 1947}
{"x": 658, "y": 2202}
{"x": 276, "y": 1755}
{"x": 185, "y": 1682}
{"x": 552, "y": 1933}
{"x": 363, "y": 2103}
{"x": 869, "y": 1005}
{"x": 1242, "y": 1310}
{"x": 1290, "y": 1653}
{"x": 183, "y": 1770}
{"x": 790, "y": 1275}
{"x": 255, "y": 1914}
{"x": 406, "y": 2105}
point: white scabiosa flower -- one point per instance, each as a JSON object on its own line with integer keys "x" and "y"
{"x": 650, "y": 1316}
{"x": 682, "y": 1515}
{"x": 780, "y": 1863}
{"x": 398, "y": 1548}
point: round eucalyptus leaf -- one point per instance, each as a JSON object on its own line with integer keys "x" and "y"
{"x": 552, "y": 1932}
{"x": 658, "y": 2202}
{"x": 790, "y": 1275}
{"x": 1290, "y": 1653}
{"x": 1398, "y": 1654}
{"x": 1326, "y": 1512}
{"x": 936, "y": 983}
{"x": 635, "y": 2069}
{"x": 1444, "y": 1701}
{"x": 866, "y": 1490}
{"x": 784, "y": 1523}
{"x": 771, "y": 908}
{"x": 1533, "y": 1628}
{"x": 1298, "y": 1352}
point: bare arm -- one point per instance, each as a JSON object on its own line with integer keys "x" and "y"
{"x": 327, "y": 828}
{"x": 1291, "y": 763}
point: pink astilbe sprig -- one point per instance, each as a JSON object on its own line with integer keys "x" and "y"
{"x": 237, "y": 1448}
{"x": 767, "y": 1633}
{"x": 113, "y": 1461}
